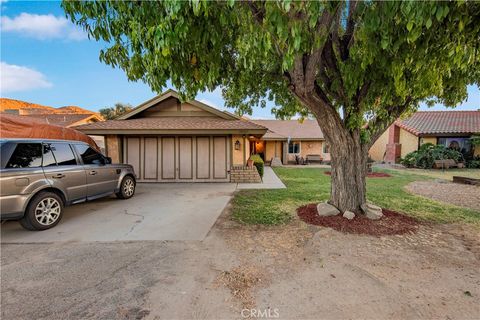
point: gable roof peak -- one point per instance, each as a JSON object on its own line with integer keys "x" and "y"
{"x": 172, "y": 93}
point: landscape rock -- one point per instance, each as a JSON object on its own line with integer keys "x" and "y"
{"x": 372, "y": 211}
{"x": 349, "y": 215}
{"x": 326, "y": 210}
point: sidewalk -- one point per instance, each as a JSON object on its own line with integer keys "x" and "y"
{"x": 270, "y": 181}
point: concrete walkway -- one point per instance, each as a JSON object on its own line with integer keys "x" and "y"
{"x": 270, "y": 181}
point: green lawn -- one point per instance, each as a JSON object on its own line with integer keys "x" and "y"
{"x": 307, "y": 185}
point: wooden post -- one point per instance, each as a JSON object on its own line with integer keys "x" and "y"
{"x": 244, "y": 151}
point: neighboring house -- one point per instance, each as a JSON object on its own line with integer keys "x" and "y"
{"x": 167, "y": 140}
{"x": 449, "y": 128}
{"x": 65, "y": 119}
{"x": 286, "y": 139}
{"x": 67, "y": 116}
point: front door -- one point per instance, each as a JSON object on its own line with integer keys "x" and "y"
{"x": 102, "y": 178}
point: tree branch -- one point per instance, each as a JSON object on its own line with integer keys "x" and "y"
{"x": 257, "y": 12}
{"x": 347, "y": 38}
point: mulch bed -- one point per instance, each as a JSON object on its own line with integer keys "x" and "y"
{"x": 369, "y": 175}
{"x": 390, "y": 224}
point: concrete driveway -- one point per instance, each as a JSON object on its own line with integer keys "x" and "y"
{"x": 156, "y": 212}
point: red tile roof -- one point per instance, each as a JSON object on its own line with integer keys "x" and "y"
{"x": 172, "y": 123}
{"x": 442, "y": 122}
{"x": 293, "y": 129}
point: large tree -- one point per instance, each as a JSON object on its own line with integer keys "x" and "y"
{"x": 110, "y": 113}
{"x": 354, "y": 66}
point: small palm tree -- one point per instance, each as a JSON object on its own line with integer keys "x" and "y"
{"x": 110, "y": 113}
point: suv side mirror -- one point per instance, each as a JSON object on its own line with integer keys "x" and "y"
{"x": 108, "y": 160}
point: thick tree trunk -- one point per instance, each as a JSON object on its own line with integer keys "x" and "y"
{"x": 349, "y": 168}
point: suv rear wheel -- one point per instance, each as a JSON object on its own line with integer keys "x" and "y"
{"x": 127, "y": 188}
{"x": 43, "y": 212}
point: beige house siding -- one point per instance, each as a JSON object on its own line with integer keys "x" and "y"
{"x": 238, "y": 155}
{"x": 432, "y": 140}
{"x": 309, "y": 147}
{"x": 378, "y": 149}
{"x": 273, "y": 149}
{"x": 408, "y": 141}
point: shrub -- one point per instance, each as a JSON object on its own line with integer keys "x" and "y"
{"x": 410, "y": 159}
{"x": 258, "y": 162}
{"x": 474, "y": 163}
{"x": 426, "y": 155}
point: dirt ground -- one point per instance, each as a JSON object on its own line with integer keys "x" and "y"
{"x": 462, "y": 195}
{"x": 296, "y": 271}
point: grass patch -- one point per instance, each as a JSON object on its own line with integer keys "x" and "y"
{"x": 446, "y": 174}
{"x": 307, "y": 185}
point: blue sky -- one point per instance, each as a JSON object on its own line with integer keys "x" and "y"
{"x": 47, "y": 60}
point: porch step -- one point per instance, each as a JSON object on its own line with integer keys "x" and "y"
{"x": 240, "y": 174}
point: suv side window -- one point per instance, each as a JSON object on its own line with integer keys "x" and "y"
{"x": 26, "y": 155}
{"x": 48, "y": 159}
{"x": 89, "y": 155}
{"x": 63, "y": 154}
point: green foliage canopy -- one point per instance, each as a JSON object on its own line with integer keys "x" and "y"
{"x": 356, "y": 61}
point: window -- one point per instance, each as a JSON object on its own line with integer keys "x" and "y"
{"x": 63, "y": 154}
{"x": 26, "y": 155}
{"x": 48, "y": 159}
{"x": 326, "y": 148}
{"x": 462, "y": 144}
{"x": 294, "y": 147}
{"x": 89, "y": 155}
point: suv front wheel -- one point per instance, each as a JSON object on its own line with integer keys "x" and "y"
{"x": 127, "y": 188}
{"x": 43, "y": 212}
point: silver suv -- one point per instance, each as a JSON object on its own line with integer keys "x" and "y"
{"x": 39, "y": 177}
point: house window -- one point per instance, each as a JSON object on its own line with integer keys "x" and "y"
{"x": 326, "y": 148}
{"x": 294, "y": 147}
{"x": 462, "y": 144}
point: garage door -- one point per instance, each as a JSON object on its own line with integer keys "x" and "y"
{"x": 178, "y": 158}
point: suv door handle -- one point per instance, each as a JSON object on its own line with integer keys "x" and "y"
{"x": 58, "y": 176}
{"x": 93, "y": 172}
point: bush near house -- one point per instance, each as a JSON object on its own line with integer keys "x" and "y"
{"x": 426, "y": 155}
{"x": 474, "y": 163}
{"x": 258, "y": 162}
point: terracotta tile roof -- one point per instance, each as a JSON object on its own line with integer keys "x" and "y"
{"x": 278, "y": 129}
{"x": 172, "y": 123}
{"x": 441, "y": 122}
{"x": 63, "y": 120}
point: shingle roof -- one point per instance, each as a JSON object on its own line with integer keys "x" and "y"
{"x": 172, "y": 123}
{"x": 63, "y": 120}
{"x": 441, "y": 122}
{"x": 278, "y": 129}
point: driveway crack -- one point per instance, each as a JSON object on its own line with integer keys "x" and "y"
{"x": 136, "y": 223}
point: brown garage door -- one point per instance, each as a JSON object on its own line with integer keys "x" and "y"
{"x": 178, "y": 158}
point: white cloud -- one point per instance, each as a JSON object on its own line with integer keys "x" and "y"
{"x": 42, "y": 27}
{"x": 19, "y": 78}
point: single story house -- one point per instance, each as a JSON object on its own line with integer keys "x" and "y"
{"x": 449, "y": 128}
{"x": 167, "y": 140}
